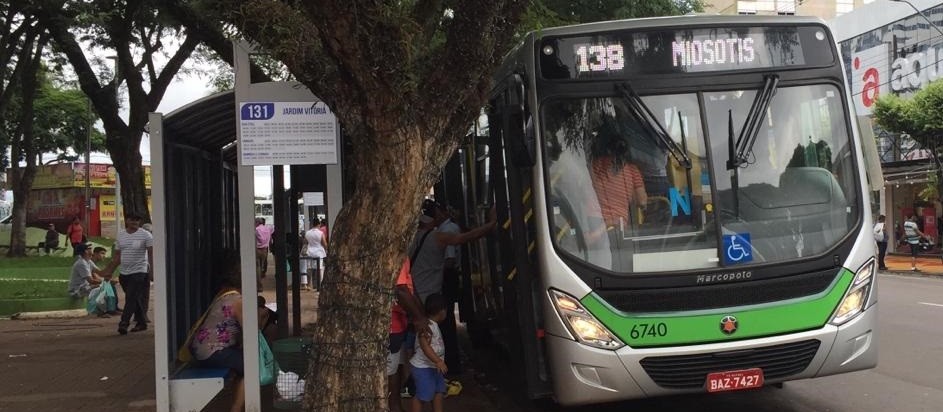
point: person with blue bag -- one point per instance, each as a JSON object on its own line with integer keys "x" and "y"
{"x": 216, "y": 339}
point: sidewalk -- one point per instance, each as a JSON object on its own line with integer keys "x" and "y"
{"x": 931, "y": 265}
{"x": 82, "y": 364}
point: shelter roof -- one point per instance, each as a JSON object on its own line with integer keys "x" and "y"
{"x": 208, "y": 123}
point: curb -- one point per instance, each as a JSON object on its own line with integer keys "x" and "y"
{"x": 908, "y": 273}
{"x": 52, "y": 314}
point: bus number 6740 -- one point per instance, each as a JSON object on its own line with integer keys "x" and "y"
{"x": 654, "y": 330}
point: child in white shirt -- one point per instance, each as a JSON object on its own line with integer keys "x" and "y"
{"x": 428, "y": 362}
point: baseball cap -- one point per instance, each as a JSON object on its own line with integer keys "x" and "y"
{"x": 429, "y": 207}
{"x": 81, "y": 248}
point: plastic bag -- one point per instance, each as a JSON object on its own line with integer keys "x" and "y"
{"x": 267, "y": 365}
{"x": 110, "y": 297}
{"x": 290, "y": 386}
{"x": 92, "y": 307}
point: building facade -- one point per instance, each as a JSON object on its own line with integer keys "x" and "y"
{"x": 887, "y": 47}
{"x": 58, "y": 196}
{"x": 824, "y": 9}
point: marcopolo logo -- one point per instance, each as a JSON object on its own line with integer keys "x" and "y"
{"x": 725, "y": 277}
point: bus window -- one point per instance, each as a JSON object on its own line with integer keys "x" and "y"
{"x": 620, "y": 199}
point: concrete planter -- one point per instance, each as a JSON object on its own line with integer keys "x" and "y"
{"x": 9, "y": 307}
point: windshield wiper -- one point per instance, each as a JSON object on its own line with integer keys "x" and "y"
{"x": 751, "y": 127}
{"x": 651, "y": 125}
{"x": 734, "y": 171}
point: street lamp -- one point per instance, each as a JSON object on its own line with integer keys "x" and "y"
{"x": 937, "y": 28}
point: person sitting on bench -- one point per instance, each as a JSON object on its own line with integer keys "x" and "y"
{"x": 217, "y": 342}
{"x": 83, "y": 280}
{"x": 52, "y": 239}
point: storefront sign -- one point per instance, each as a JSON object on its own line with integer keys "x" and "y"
{"x": 55, "y": 205}
{"x": 65, "y": 175}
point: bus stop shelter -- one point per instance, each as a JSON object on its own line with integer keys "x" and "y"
{"x": 203, "y": 204}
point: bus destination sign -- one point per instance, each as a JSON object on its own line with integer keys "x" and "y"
{"x": 628, "y": 53}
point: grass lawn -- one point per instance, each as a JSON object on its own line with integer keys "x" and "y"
{"x": 36, "y": 267}
{"x": 33, "y": 288}
{"x": 34, "y": 277}
{"x": 39, "y": 276}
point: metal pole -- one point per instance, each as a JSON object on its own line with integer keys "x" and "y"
{"x": 117, "y": 203}
{"x": 88, "y": 168}
{"x": 921, "y": 15}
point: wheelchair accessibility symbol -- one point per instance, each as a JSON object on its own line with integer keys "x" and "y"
{"x": 737, "y": 248}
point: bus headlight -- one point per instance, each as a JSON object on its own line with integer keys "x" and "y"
{"x": 856, "y": 299}
{"x": 582, "y": 324}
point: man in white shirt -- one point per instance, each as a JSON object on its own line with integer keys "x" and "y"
{"x": 134, "y": 258}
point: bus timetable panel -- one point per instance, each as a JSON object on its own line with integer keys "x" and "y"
{"x": 624, "y": 54}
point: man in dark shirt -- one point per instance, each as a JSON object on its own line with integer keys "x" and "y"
{"x": 52, "y": 239}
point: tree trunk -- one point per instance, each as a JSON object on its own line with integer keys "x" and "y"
{"x": 23, "y": 182}
{"x": 22, "y": 185}
{"x": 347, "y": 363}
{"x": 123, "y": 148}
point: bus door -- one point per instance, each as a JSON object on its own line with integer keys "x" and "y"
{"x": 512, "y": 153}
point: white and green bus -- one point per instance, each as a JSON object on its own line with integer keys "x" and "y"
{"x": 684, "y": 208}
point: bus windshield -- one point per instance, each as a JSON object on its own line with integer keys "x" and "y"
{"x": 621, "y": 199}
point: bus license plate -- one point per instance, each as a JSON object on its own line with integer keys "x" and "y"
{"x": 734, "y": 380}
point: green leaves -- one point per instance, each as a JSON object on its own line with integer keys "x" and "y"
{"x": 920, "y": 115}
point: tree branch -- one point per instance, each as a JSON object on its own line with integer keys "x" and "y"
{"x": 478, "y": 56}
{"x": 103, "y": 99}
{"x": 170, "y": 70}
{"x": 210, "y": 34}
{"x": 428, "y": 14}
{"x": 147, "y": 58}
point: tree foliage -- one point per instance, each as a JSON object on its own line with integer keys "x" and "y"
{"x": 150, "y": 49}
{"x": 919, "y": 115}
{"x": 893, "y": 113}
{"x": 62, "y": 119}
{"x": 17, "y": 33}
{"x": 551, "y": 13}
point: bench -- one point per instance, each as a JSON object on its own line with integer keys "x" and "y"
{"x": 192, "y": 388}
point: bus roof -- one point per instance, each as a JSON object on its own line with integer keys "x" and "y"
{"x": 673, "y": 21}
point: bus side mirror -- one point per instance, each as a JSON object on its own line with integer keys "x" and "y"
{"x": 519, "y": 128}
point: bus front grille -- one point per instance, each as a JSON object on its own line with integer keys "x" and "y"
{"x": 690, "y": 298}
{"x": 690, "y": 371}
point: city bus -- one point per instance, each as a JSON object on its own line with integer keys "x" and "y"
{"x": 682, "y": 208}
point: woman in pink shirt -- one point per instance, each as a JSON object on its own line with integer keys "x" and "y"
{"x": 76, "y": 233}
